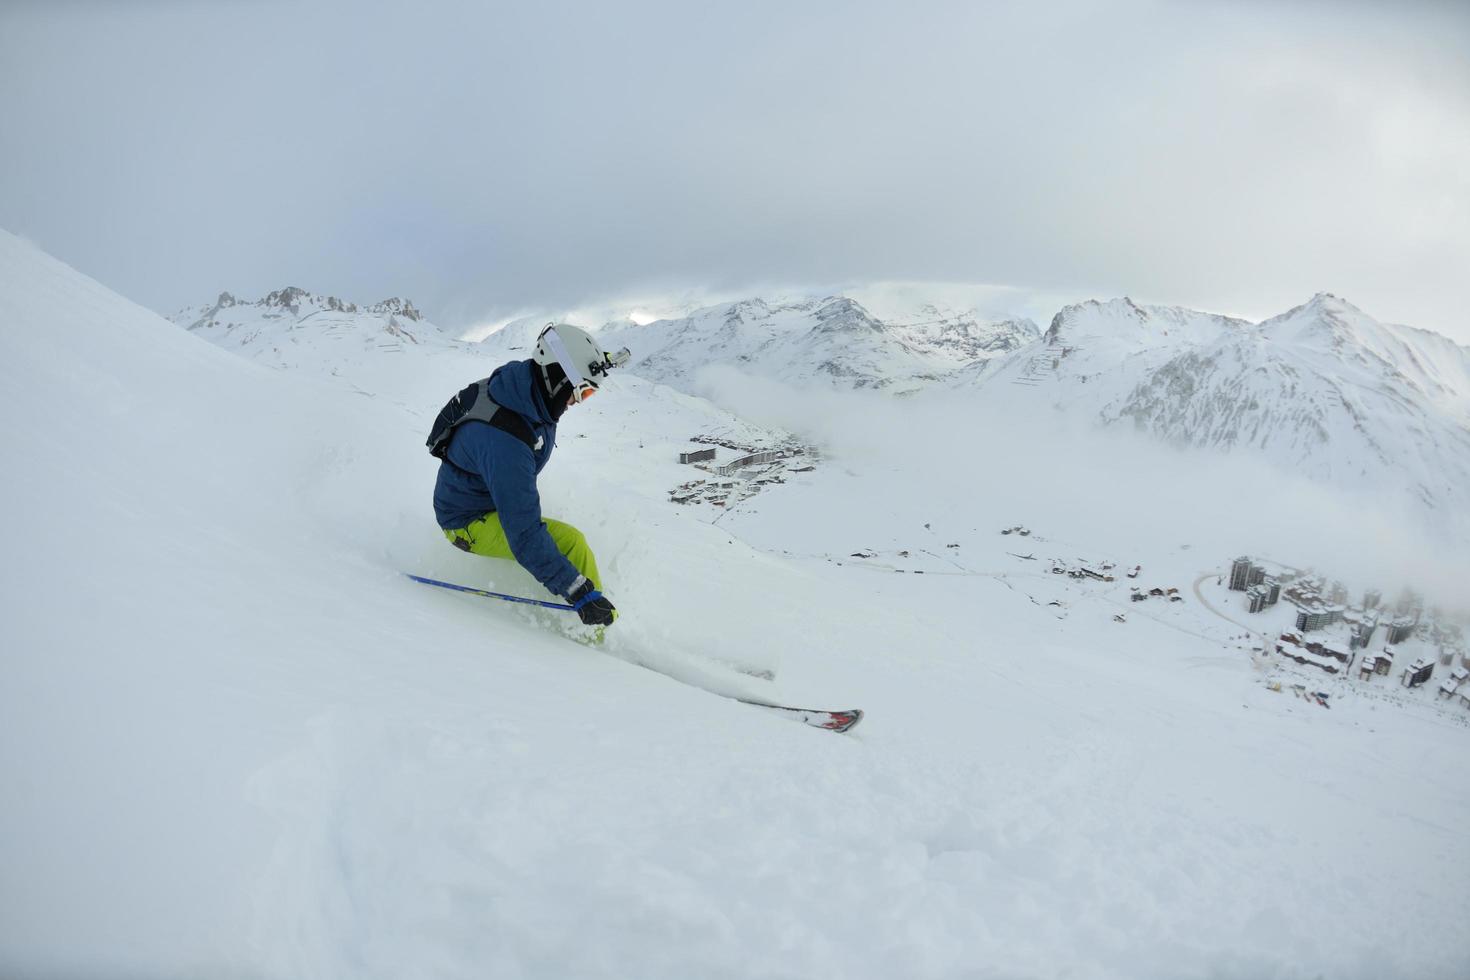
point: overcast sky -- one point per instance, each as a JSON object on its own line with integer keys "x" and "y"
{"x": 485, "y": 158}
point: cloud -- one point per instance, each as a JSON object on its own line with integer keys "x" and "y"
{"x": 487, "y": 158}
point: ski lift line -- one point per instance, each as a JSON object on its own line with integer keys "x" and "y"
{"x": 878, "y": 566}
{"x": 1162, "y": 622}
{"x": 882, "y": 567}
{"x": 943, "y": 558}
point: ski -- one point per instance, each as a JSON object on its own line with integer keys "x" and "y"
{"x": 832, "y": 721}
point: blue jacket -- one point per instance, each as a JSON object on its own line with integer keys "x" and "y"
{"x": 487, "y": 469}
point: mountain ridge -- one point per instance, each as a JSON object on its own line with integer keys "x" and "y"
{"x": 1322, "y": 390}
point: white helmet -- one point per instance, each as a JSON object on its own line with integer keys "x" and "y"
{"x": 582, "y": 359}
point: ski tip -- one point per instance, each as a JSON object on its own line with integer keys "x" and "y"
{"x": 832, "y": 721}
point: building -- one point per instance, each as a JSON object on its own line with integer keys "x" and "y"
{"x": 1400, "y": 629}
{"x": 1372, "y": 598}
{"x": 1273, "y": 590}
{"x": 1255, "y": 598}
{"x": 1302, "y": 656}
{"x": 1255, "y": 576}
{"x": 1418, "y": 672}
{"x": 1240, "y": 573}
{"x": 752, "y": 459}
{"x": 1453, "y": 683}
{"x": 698, "y": 456}
{"x": 1317, "y": 617}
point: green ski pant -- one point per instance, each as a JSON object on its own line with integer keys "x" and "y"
{"x": 486, "y": 537}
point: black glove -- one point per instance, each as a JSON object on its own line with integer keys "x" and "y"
{"x": 592, "y": 606}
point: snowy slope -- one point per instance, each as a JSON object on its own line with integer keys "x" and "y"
{"x": 226, "y": 532}
{"x": 243, "y": 745}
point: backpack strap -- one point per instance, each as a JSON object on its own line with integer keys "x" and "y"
{"x": 507, "y": 421}
{"x": 474, "y": 404}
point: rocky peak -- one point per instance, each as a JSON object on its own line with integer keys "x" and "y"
{"x": 1324, "y": 319}
{"x": 1330, "y": 303}
{"x": 1009, "y": 334}
{"x": 756, "y": 308}
{"x": 840, "y": 314}
{"x": 293, "y": 298}
{"x": 1124, "y": 320}
{"x": 396, "y": 307}
{"x": 287, "y": 299}
{"x": 1071, "y": 314}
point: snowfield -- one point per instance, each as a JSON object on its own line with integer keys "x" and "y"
{"x": 237, "y": 742}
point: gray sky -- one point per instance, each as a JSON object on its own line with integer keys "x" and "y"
{"x": 483, "y": 158}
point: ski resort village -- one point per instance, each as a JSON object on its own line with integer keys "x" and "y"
{"x": 1310, "y": 621}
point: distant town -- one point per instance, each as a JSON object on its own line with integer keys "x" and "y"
{"x": 1358, "y": 637}
{"x": 743, "y": 474}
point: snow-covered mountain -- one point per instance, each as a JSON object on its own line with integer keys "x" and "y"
{"x": 831, "y": 340}
{"x": 959, "y": 336}
{"x": 286, "y": 324}
{"x": 1324, "y": 390}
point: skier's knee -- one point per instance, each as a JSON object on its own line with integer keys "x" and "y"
{"x": 575, "y": 540}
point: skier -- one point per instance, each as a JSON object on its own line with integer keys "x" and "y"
{"x": 493, "y": 439}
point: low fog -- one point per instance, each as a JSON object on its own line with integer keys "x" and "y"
{"x": 974, "y": 462}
